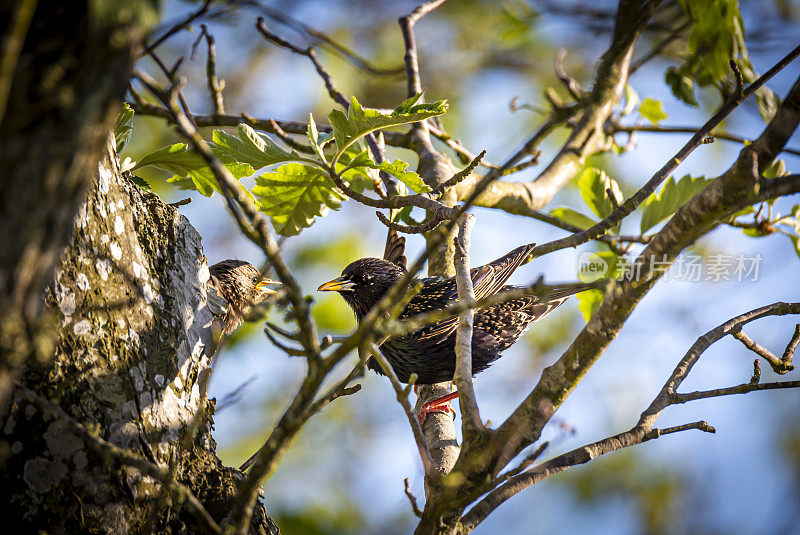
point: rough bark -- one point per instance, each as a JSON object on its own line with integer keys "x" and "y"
{"x": 70, "y": 77}
{"x": 132, "y": 349}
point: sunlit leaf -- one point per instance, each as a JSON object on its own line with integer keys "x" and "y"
{"x": 398, "y": 169}
{"x": 360, "y": 121}
{"x": 663, "y": 204}
{"x": 250, "y": 148}
{"x": 595, "y": 185}
{"x": 294, "y": 195}
{"x": 572, "y": 217}
{"x": 123, "y": 127}
{"x": 189, "y": 169}
{"x": 716, "y": 36}
{"x": 588, "y": 302}
{"x": 776, "y": 169}
{"x": 652, "y": 110}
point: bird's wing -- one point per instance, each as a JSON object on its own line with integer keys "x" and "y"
{"x": 395, "y": 250}
{"x": 486, "y": 280}
{"x": 490, "y": 278}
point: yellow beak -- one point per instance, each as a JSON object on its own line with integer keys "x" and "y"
{"x": 261, "y": 287}
{"x": 340, "y": 284}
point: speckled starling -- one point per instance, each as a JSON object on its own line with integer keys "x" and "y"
{"x": 430, "y": 351}
{"x": 242, "y": 286}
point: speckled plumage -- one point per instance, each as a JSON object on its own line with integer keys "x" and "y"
{"x": 430, "y": 351}
{"x": 241, "y": 285}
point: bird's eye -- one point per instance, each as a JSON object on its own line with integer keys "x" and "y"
{"x": 367, "y": 278}
{"x": 256, "y": 279}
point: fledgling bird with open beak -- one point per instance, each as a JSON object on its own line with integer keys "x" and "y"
{"x": 429, "y": 352}
{"x": 242, "y": 286}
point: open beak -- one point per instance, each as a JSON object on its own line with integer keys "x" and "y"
{"x": 262, "y": 287}
{"x": 340, "y": 284}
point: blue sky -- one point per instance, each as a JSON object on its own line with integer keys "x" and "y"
{"x": 361, "y": 452}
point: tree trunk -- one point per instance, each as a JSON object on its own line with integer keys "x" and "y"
{"x": 132, "y": 350}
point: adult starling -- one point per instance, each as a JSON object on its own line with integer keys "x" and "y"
{"x": 430, "y": 351}
{"x": 242, "y": 286}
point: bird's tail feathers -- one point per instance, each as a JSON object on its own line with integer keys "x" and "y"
{"x": 555, "y": 292}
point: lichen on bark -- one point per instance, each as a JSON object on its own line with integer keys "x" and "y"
{"x": 134, "y": 339}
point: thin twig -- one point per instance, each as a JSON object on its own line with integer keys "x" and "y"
{"x": 644, "y": 429}
{"x": 788, "y": 354}
{"x": 178, "y": 27}
{"x": 354, "y": 58}
{"x": 569, "y": 82}
{"x": 778, "y": 366}
{"x": 461, "y": 175}
{"x": 214, "y": 86}
{"x": 288, "y": 140}
{"x": 412, "y": 500}
{"x": 664, "y": 129}
{"x": 411, "y": 59}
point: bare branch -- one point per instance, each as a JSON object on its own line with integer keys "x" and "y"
{"x": 644, "y": 430}
{"x": 570, "y": 83}
{"x": 659, "y": 129}
{"x": 788, "y": 354}
{"x": 645, "y": 191}
{"x": 778, "y": 365}
{"x": 411, "y": 58}
{"x": 402, "y": 399}
{"x": 470, "y": 415}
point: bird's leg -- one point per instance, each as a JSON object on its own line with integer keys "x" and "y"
{"x": 441, "y": 404}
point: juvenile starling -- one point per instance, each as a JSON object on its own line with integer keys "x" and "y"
{"x": 430, "y": 351}
{"x": 242, "y": 286}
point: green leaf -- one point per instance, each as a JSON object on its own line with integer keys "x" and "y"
{"x": 716, "y": 36}
{"x": 123, "y": 127}
{"x": 597, "y": 265}
{"x": 568, "y": 215}
{"x": 189, "y": 169}
{"x": 744, "y": 211}
{"x": 594, "y": 184}
{"x": 796, "y": 243}
{"x": 588, "y": 302}
{"x": 776, "y": 169}
{"x": 652, "y": 110}
{"x": 398, "y": 169}
{"x": 249, "y": 148}
{"x": 660, "y": 206}
{"x": 682, "y": 86}
{"x": 360, "y": 121}
{"x": 140, "y": 182}
{"x": 631, "y": 100}
{"x": 796, "y": 214}
{"x": 294, "y": 195}
{"x": 754, "y": 232}
{"x": 313, "y": 137}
